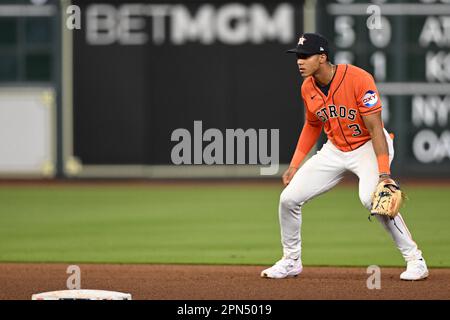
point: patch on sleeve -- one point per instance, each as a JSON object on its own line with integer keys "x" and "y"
{"x": 370, "y": 98}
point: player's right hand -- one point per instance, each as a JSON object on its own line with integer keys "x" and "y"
{"x": 288, "y": 175}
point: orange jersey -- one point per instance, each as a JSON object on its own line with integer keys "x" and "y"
{"x": 352, "y": 95}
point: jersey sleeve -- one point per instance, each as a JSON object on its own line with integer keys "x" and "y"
{"x": 308, "y": 137}
{"x": 367, "y": 96}
{"x": 309, "y": 116}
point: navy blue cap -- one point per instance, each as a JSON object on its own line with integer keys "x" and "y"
{"x": 311, "y": 43}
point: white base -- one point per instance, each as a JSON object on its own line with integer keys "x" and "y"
{"x": 81, "y": 295}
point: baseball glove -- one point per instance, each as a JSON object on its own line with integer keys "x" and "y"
{"x": 387, "y": 199}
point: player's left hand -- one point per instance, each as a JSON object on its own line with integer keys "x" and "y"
{"x": 387, "y": 198}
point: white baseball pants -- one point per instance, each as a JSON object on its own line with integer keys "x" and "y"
{"x": 321, "y": 173}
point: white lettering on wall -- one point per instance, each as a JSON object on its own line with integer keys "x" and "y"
{"x": 231, "y": 24}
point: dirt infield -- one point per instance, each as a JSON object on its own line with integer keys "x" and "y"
{"x": 180, "y": 282}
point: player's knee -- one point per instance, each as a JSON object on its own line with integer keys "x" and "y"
{"x": 287, "y": 201}
{"x": 366, "y": 200}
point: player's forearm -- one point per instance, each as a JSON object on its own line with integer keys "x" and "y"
{"x": 380, "y": 147}
{"x": 374, "y": 124}
{"x": 308, "y": 138}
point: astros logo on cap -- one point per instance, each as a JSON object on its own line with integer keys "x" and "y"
{"x": 301, "y": 40}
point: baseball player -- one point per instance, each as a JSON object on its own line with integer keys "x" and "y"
{"x": 343, "y": 100}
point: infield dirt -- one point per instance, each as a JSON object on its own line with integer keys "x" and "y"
{"x": 192, "y": 282}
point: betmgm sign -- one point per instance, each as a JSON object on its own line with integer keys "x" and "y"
{"x": 143, "y": 70}
{"x": 177, "y": 24}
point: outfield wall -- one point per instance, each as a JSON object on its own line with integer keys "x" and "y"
{"x": 131, "y": 75}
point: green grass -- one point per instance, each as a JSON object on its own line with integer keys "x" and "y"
{"x": 207, "y": 224}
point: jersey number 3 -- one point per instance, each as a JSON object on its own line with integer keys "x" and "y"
{"x": 356, "y": 130}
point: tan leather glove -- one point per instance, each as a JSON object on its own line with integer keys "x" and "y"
{"x": 387, "y": 199}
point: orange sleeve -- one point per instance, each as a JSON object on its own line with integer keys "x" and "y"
{"x": 367, "y": 96}
{"x": 308, "y": 137}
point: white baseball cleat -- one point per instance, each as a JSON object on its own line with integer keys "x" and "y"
{"x": 415, "y": 270}
{"x": 283, "y": 269}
